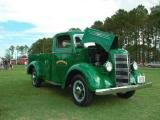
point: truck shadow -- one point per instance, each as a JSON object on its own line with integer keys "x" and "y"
{"x": 57, "y": 89}
{"x": 67, "y": 94}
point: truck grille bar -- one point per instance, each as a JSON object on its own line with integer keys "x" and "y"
{"x": 121, "y": 69}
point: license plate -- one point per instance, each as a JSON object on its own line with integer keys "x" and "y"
{"x": 141, "y": 79}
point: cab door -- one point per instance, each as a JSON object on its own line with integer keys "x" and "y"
{"x": 63, "y": 57}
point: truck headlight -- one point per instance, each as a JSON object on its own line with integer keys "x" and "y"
{"x": 108, "y": 66}
{"x": 135, "y": 66}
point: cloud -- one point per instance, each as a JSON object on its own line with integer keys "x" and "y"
{"x": 59, "y": 15}
{"x": 44, "y": 18}
{"x": 130, "y": 4}
{"x": 47, "y": 17}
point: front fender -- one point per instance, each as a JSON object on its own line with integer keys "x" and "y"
{"x": 38, "y": 66}
{"x": 93, "y": 78}
{"x": 134, "y": 75}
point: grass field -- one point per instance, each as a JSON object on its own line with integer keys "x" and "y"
{"x": 20, "y": 101}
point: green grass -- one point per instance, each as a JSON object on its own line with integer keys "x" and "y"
{"x": 20, "y": 101}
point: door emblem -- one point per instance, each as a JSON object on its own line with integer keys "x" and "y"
{"x": 61, "y": 62}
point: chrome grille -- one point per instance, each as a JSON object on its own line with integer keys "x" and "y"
{"x": 121, "y": 69}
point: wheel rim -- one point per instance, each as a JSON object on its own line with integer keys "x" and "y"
{"x": 79, "y": 90}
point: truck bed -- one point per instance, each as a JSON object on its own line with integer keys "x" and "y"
{"x": 45, "y": 59}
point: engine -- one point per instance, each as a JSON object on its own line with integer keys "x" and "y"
{"x": 97, "y": 55}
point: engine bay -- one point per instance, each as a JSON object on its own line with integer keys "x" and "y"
{"x": 97, "y": 55}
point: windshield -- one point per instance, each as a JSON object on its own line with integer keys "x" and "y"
{"x": 78, "y": 41}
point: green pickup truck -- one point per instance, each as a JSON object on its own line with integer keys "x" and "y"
{"x": 90, "y": 63}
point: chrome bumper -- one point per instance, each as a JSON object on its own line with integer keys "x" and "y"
{"x": 122, "y": 89}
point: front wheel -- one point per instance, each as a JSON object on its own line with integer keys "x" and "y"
{"x": 126, "y": 95}
{"x": 81, "y": 94}
{"x": 36, "y": 82}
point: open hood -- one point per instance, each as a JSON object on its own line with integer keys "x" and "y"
{"x": 103, "y": 39}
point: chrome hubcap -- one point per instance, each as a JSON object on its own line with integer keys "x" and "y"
{"x": 79, "y": 90}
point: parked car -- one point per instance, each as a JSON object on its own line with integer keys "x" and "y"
{"x": 91, "y": 63}
{"x": 153, "y": 64}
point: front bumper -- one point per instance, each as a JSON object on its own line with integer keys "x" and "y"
{"x": 122, "y": 89}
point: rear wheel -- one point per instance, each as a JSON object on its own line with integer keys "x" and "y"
{"x": 81, "y": 94}
{"x": 126, "y": 95}
{"x": 36, "y": 82}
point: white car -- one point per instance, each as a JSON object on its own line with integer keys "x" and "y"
{"x": 153, "y": 64}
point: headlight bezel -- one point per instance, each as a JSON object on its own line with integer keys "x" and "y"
{"x": 108, "y": 66}
{"x": 134, "y": 66}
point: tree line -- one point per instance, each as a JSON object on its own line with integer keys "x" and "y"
{"x": 43, "y": 45}
{"x": 138, "y": 29}
{"x": 15, "y": 51}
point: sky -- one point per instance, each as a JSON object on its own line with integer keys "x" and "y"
{"x": 25, "y": 21}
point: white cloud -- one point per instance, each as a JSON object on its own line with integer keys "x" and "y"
{"x": 130, "y": 4}
{"x": 57, "y": 15}
{"x": 60, "y": 15}
{"x": 52, "y": 16}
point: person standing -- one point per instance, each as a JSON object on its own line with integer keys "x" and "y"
{"x": 5, "y": 64}
{"x": 1, "y": 66}
{"x": 25, "y": 63}
{"x": 10, "y": 65}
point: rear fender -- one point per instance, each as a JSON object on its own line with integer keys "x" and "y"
{"x": 38, "y": 66}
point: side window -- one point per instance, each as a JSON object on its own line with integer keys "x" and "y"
{"x": 63, "y": 41}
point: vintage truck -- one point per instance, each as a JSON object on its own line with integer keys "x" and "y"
{"x": 90, "y": 63}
